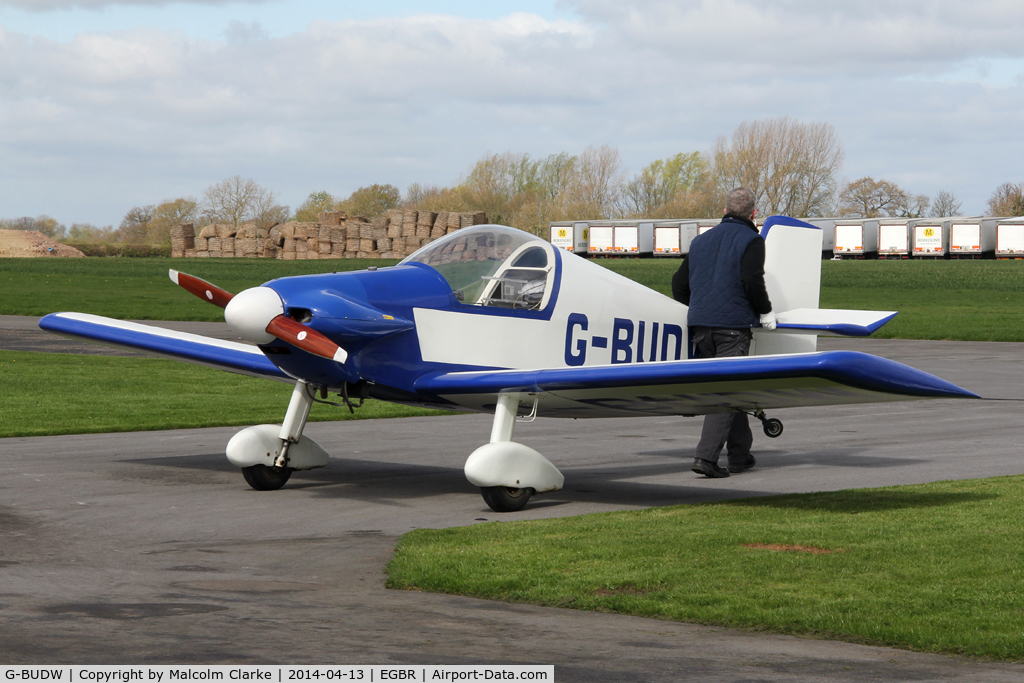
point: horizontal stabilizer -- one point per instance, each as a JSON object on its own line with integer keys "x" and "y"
{"x": 216, "y": 353}
{"x": 832, "y": 321}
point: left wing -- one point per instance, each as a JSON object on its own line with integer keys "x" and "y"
{"x": 695, "y": 387}
{"x": 216, "y": 353}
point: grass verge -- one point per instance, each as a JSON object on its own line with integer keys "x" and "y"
{"x": 959, "y": 300}
{"x": 50, "y": 393}
{"x": 965, "y": 300}
{"x": 138, "y": 288}
{"x": 934, "y": 567}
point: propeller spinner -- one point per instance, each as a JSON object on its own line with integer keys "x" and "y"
{"x": 257, "y": 314}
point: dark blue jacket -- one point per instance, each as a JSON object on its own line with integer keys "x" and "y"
{"x": 722, "y": 278}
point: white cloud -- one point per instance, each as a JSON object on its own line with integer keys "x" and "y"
{"x": 52, "y": 5}
{"x": 134, "y": 116}
{"x": 813, "y": 36}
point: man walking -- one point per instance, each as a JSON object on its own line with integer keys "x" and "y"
{"x": 722, "y": 281}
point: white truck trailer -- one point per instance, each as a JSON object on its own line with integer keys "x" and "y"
{"x": 627, "y": 240}
{"x": 560, "y": 235}
{"x": 929, "y": 238}
{"x": 1010, "y": 238}
{"x": 601, "y": 240}
{"x": 972, "y": 237}
{"x": 572, "y": 236}
{"x": 856, "y": 238}
{"x": 672, "y": 238}
{"x": 893, "y": 238}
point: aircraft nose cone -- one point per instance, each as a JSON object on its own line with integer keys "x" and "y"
{"x": 250, "y": 311}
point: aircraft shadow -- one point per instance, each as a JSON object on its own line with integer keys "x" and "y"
{"x": 833, "y": 457}
{"x": 210, "y": 462}
{"x": 390, "y": 483}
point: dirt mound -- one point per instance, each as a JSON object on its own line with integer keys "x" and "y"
{"x": 32, "y": 243}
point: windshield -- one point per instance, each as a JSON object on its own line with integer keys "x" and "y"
{"x": 469, "y": 258}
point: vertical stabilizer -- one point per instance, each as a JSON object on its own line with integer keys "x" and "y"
{"x": 792, "y": 274}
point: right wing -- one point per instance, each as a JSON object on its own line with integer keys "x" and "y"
{"x": 243, "y": 359}
{"x": 696, "y": 387}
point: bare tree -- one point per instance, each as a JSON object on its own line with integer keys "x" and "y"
{"x": 554, "y": 174}
{"x": 597, "y": 186}
{"x": 135, "y": 224}
{"x": 168, "y": 214}
{"x": 662, "y": 182}
{"x": 501, "y": 185}
{"x": 915, "y": 206}
{"x": 502, "y": 177}
{"x": 176, "y": 211}
{"x": 1007, "y": 200}
{"x": 435, "y": 198}
{"x": 870, "y": 198}
{"x": 372, "y": 200}
{"x": 315, "y": 204}
{"x": 790, "y": 166}
{"x": 238, "y": 200}
{"x": 152, "y": 224}
{"x": 87, "y": 232}
{"x": 945, "y": 204}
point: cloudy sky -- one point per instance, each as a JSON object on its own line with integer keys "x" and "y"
{"x": 107, "y": 104}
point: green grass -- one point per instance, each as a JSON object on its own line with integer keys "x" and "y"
{"x": 49, "y": 393}
{"x": 139, "y": 288}
{"x": 966, "y": 300}
{"x": 935, "y": 567}
{"x": 963, "y": 300}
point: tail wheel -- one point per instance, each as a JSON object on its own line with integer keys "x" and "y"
{"x": 772, "y": 427}
{"x": 263, "y": 478}
{"x": 506, "y": 499}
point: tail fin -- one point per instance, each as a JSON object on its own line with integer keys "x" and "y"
{"x": 792, "y": 274}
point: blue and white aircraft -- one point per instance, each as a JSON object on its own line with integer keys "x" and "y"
{"x": 496, "y": 320}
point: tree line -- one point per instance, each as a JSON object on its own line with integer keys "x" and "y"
{"x": 792, "y": 167}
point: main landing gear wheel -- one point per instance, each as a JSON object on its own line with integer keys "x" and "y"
{"x": 263, "y": 478}
{"x": 772, "y": 427}
{"x": 505, "y": 498}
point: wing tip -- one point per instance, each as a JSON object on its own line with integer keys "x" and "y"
{"x": 173, "y": 274}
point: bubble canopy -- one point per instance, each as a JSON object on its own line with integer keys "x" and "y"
{"x": 492, "y": 265}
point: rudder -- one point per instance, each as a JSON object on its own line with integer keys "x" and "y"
{"x": 792, "y": 275}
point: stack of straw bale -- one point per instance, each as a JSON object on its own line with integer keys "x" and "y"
{"x": 183, "y": 240}
{"x": 396, "y": 234}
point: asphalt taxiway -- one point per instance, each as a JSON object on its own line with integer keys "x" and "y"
{"x": 149, "y": 548}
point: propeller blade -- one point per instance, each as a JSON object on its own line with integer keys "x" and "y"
{"x": 306, "y": 338}
{"x": 201, "y": 288}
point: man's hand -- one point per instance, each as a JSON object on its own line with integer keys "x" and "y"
{"x": 768, "y": 321}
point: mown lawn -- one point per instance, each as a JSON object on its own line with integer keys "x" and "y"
{"x": 52, "y": 393}
{"x": 139, "y": 288}
{"x": 935, "y": 567}
{"x": 961, "y": 300}
{"x": 965, "y": 300}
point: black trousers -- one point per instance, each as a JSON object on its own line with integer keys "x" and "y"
{"x": 721, "y": 429}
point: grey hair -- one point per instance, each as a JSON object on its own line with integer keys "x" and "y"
{"x": 740, "y": 203}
